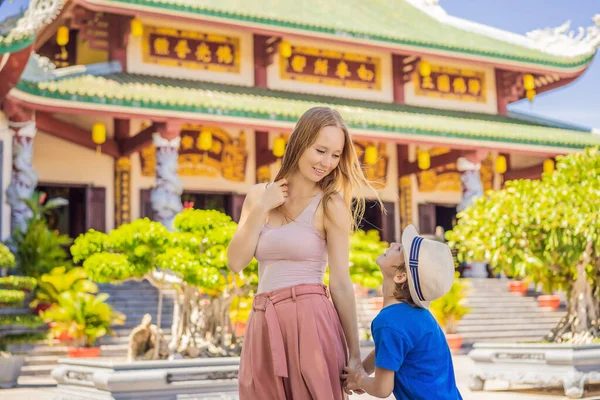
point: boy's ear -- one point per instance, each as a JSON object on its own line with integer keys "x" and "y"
{"x": 400, "y": 277}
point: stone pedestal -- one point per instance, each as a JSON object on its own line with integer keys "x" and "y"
{"x": 540, "y": 365}
{"x": 96, "y": 379}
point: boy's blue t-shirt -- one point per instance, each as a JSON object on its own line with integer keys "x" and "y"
{"x": 409, "y": 341}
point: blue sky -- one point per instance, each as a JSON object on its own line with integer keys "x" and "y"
{"x": 578, "y": 102}
{"x": 11, "y": 7}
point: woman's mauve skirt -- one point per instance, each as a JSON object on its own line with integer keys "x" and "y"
{"x": 294, "y": 347}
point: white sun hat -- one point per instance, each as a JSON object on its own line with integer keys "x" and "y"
{"x": 429, "y": 267}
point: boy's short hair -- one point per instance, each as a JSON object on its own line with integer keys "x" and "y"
{"x": 402, "y": 290}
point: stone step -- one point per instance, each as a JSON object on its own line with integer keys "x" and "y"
{"x": 492, "y": 335}
{"x": 499, "y": 329}
{"x": 503, "y": 311}
{"x": 510, "y": 321}
{"x": 508, "y": 302}
{"x": 43, "y": 360}
{"x": 37, "y": 370}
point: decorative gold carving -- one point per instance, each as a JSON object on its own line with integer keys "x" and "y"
{"x": 227, "y": 157}
{"x": 447, "y": 178}
{"x": 376, "y": 173}
{"x": 406, "y": 214}
{"x": 190, "y": 49}
{"x": 122, "y": 191}
{"x": 331, "y": 67}
{"x": 451, "y": 83}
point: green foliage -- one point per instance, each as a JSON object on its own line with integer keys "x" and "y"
{"x": 449, "y": 309}
{"x": 59, "y": 280}
{"x": 14, "y": 298}
{"x": 28, "y": 320}
{"x": 84, "y": 316}
{"x": 538, "y": 229}
{"x": 7, "y": 259}
{"x": 196, "y": 251}
{"x": 18, "y": 282}
{"x": 365, "y": 247}
{"x": 39, "y": 249}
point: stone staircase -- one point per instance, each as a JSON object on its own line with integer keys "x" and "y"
{"x": 496, "y": 314}
{"x": 134, "y": 299}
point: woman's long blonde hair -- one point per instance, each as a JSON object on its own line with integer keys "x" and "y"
{"x": 347, "y": 178}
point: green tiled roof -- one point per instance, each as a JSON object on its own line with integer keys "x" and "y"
{"x": 153, "y": 93}
{"x": 387, "y": 21}
{"x": 12, "y": 46}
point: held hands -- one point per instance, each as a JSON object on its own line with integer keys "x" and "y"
{"x": 274, "y": 195}
{"x": 352, "y": 376}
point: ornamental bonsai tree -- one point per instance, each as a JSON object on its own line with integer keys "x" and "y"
{"x": 549, "y": 231}
{"x": 192, "y": 260}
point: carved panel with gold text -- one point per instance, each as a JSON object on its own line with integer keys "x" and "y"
{"x": 226, "y": 158}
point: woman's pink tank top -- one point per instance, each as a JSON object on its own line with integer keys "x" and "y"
{"x": 293, "y": 253}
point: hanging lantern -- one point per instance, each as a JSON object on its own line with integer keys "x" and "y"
{"x": 371, "y": 155}
{"x": 285, "y": 49}
{"x": 528, "y": 82}
{"x": 98, "y": 135}
{"x": 279, "y": 147}
{"x": 137, "y": 28}
{"x": 530, "y": 94}
{"x": 424, "y": 68}
{"x": 205, "y": 141}
{"x": 548, "y": 166}
{"x": 423, "y": 160}
{"x": 500, "y": 164}
{"x": 62, "y": 36}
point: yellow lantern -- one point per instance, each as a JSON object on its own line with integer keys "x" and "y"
{"x": 548, "y": 166}
{"x": 98, "y": 135}
{"x": 528, "y": 82}
{"x": 423, "y": 160}
{"x": 530, "y": 94}
{"x": 285, "y": 49}
{"x": 279, "y": 147}
{"x": 137, "y": 28}
{"x": 424, "y": 68}
{"x": 205, "y": 141}
{"x": 371, "y": 155}
{"x": 62, "y": 36}
{"x": 500, "y": 164}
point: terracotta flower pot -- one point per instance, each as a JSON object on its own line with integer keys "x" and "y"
{"x": 64, "y": 335}
{"x": 84, "y": 352}
{"x": 518, "y": 287}
{"x": 454, "y": 340}
{"x": 550, "y": 301}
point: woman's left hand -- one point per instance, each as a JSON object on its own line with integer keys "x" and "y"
{"x": 355, "y": 365}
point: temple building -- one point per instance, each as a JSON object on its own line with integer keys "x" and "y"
{"x": 138, "y": 108}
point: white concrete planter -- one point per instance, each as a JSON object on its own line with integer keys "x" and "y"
{"x": 10, "y": 369}
{"x": 97, "y": 379}
{"x": 541, "y": 365}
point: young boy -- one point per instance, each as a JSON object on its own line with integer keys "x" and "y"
{"x": 411, "y": 356}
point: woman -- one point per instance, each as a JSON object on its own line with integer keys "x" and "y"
{"x": 297, "y": 342}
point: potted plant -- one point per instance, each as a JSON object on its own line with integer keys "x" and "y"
{"x": 38, "y": 249}
{"x": 551, "y": 301}
{"x": 16, "y": 325}
{"x": 450, "y": 309}
{"x": 518, "y": 286}
{"x": 85, "y": 317}
{"x": 57, "y": 281}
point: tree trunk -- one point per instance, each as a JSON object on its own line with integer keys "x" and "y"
{"x": 580, "y": 325}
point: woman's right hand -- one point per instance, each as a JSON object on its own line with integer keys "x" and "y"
{"x": 274, "y": 195}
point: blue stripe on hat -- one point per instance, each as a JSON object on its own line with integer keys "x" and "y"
{"x": 413, "y": 263}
